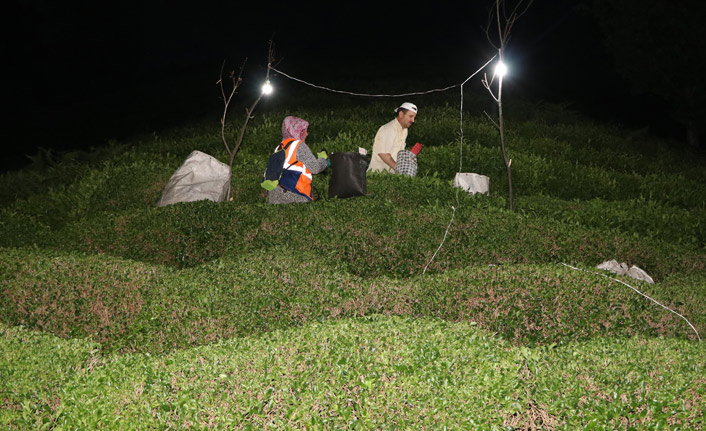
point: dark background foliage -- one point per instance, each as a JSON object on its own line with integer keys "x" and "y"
{"x": 83, "y": 73}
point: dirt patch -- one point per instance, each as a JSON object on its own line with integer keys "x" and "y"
{"x": 531, "y": 419}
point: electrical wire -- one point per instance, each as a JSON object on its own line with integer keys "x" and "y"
{"x": 460, "y": 165}
{"x": 624, "y": 283}
{"x": 363, "y": 94}
{"x": 460, "y": 168}
{"x": 417, "y": 93}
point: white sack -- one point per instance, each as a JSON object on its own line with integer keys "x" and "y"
{"x": 472, "y": 183}
{"x": 639, "y": 274}
{"x": 199, "y": 177}
{"x": 622, "y": 269}
{"x": 614, "y": 266}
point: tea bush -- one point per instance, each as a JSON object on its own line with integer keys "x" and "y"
{"x": 34, "y": 368}
{"x": 372, "y": 372}
{"x": 414, "y": 306}
{"x": 136, "y": 307}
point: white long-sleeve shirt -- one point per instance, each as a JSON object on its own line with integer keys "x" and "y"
{"x": 390, "y": 139}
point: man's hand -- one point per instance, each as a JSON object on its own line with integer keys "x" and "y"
{"x": 389, "y": 161}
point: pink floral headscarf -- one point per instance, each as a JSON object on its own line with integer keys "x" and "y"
{"x": 293, "y": 128}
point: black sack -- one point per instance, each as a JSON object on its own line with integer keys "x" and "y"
{"x": 347, "y": 175}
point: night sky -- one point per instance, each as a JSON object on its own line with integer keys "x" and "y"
{"x": 83, "y": 72}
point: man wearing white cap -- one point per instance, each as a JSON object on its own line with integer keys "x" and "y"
{"x": 390, "y": 139}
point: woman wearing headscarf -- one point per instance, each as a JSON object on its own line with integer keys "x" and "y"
{"x": 299, "y": 164}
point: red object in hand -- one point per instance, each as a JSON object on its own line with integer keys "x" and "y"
{"x": 416, "y": 148}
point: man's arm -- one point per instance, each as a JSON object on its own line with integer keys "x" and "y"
{"x": 389, "y": 161}
{"x": 384, "y": 139}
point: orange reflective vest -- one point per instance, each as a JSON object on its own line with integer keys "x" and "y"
{"x": 296, "y": 176}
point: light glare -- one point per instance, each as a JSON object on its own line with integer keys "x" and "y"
{"x": 267, "y": 88}
{"x": 500, "y": 69}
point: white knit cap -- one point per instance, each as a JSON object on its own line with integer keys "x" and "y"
{"x": 408, "y": 106}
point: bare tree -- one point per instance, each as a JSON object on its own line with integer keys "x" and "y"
{"x": 504, "y": 21}
{"x": 235, "y": 83}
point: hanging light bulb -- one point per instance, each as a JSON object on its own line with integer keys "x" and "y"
{"x": 267, "y": 88}
{"x": 500, "y": 69}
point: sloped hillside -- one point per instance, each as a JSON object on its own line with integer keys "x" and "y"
{"x": 416, "y": 306}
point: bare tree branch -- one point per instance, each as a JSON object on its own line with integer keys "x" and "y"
{"x": 504, "y": 23}
{"x": 488, "y": 85}
{"x": 226, "y": 101}
{"x": 491, "y": 120}
{"x": 236, "y": 81}
{"x": 249, "y": 112}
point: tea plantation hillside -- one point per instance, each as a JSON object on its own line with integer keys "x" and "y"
{"x": 417, "y": 306}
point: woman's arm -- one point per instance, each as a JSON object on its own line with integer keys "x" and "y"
{"x": 305, "y": 156}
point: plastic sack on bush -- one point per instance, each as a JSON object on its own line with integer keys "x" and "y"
{"x": 472, "y": 183}
{"x": 622, "y": 269}
{"x": 200, "y": 177}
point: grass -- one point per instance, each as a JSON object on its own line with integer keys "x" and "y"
{"x": 116, "y": 314}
